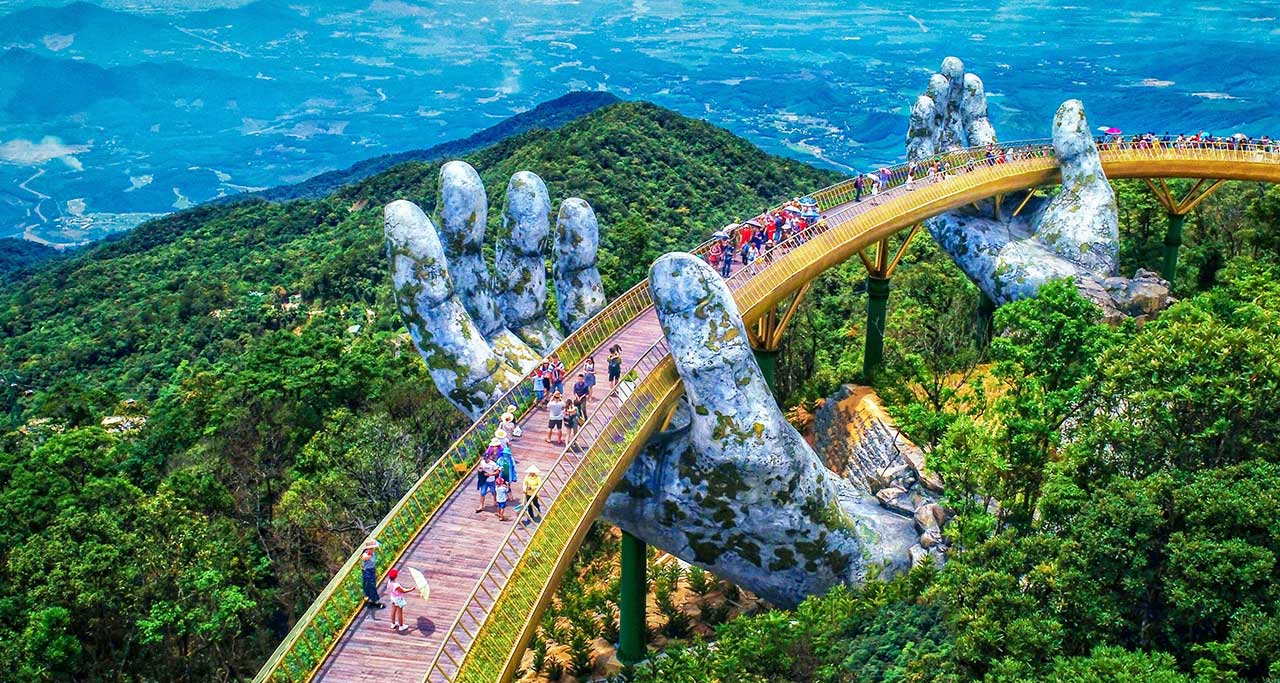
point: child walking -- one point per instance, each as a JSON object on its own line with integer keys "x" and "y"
{"x": 397, "y": 600}
{"x": 504, "y": 492}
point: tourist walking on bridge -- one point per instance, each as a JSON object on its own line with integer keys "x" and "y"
{"x": 580, "y": 392}
{"x": 398, "y": 602}
{"x": 589, "y": 369}
{"x": 857, "y": 188}
{"x": 555, "y": 417}
{"x": 542, "y": 382}
{"x": 532, "y": 506}
{"x": 615, "y": 365}
{"x": 571, "y": 419}
{"x": 487, "y": 477}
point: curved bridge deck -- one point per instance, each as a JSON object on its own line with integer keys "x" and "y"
{"x": 458, "y": 545}
{"x": 490, "y": 580}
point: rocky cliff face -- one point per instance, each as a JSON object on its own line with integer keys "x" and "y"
{"x": 860, "y": 441}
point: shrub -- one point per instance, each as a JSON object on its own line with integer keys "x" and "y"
{"x": 580, "y": 654}
{"x": 700, "y": 582}
{"x": 714, "y": 615}
{"x": 539, "y": 655}
{"x": 555, "y": 669}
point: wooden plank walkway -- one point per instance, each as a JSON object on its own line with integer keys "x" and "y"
{"x": 458, "y": 544}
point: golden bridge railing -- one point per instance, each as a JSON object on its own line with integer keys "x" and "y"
{"x": 484, "y": 641}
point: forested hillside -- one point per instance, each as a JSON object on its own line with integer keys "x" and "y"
{"x": 205, "y": 415}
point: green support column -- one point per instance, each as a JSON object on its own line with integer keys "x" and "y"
{"x": 877, "y": 308}
{"x": 631, "y": 604}
{"x": 768, "y": 362}
{"x": 986, "y": 320}
{"x": 1172, "y": 240}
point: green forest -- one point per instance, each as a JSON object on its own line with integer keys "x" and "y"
{"x": 202, "y": 418}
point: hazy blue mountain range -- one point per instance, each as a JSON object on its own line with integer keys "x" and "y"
{"x": 111, "y": 114}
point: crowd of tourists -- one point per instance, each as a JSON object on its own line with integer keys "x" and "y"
{"x": 759, "y": 239}
{"x": 497, "y": 475}
{"x": 1201, "y": 140}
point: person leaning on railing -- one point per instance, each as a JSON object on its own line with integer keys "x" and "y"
{"x": 369, "y": 574}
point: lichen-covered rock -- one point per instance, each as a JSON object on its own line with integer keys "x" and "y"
{"x": 1072, "y": 235}
{"x": 460, "y": 360}
{"x": 951, "y": 114}
{"x": 475, "y": 325}
{"x": 732, "y": 486}
{"x": 463, "y": 214}
{"x": 579, "y": 291}
{"x": 1146, "y": 294}
{"x": 521, "y": 266}
{"x": 1081, "y": 223}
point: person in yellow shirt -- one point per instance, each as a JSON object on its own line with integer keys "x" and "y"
{"x": 532, "y": 482}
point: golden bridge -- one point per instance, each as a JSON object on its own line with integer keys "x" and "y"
{"x": 491, "y": 583}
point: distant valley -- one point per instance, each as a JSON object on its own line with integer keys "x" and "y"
{"x": 111, "y": 116}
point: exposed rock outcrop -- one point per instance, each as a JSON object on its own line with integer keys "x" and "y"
{"x": 860, "y": 440}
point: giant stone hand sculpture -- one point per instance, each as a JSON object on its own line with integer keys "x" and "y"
{"x": 476, "y": 344}
{"x": 1075, "y": 234}
{"x": 732, "y": 487}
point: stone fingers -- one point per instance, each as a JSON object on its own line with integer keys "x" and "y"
{"x": 1081, "y": 224}
{"x": 973, "y": 112}
{"x": 463, "y": 214}
{"x": 922, "y": 130}
{"x": 735, "y": 488}
{"x": 579, "y": 290}
{"x": 466, "y": 370}
{"x": 521, "y": 265}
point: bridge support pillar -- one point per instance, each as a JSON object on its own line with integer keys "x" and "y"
{"x": 880, "y": 265}
{"x": 767, "y": 359}
{"x": 877, "y": 313}
{"x": 1178, "y": 208}
{"x": 985, "y": 323}
{"x": 766, "y": 333}
{"x": 632, "y": 602}
{"x": 1172, "y": 241}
